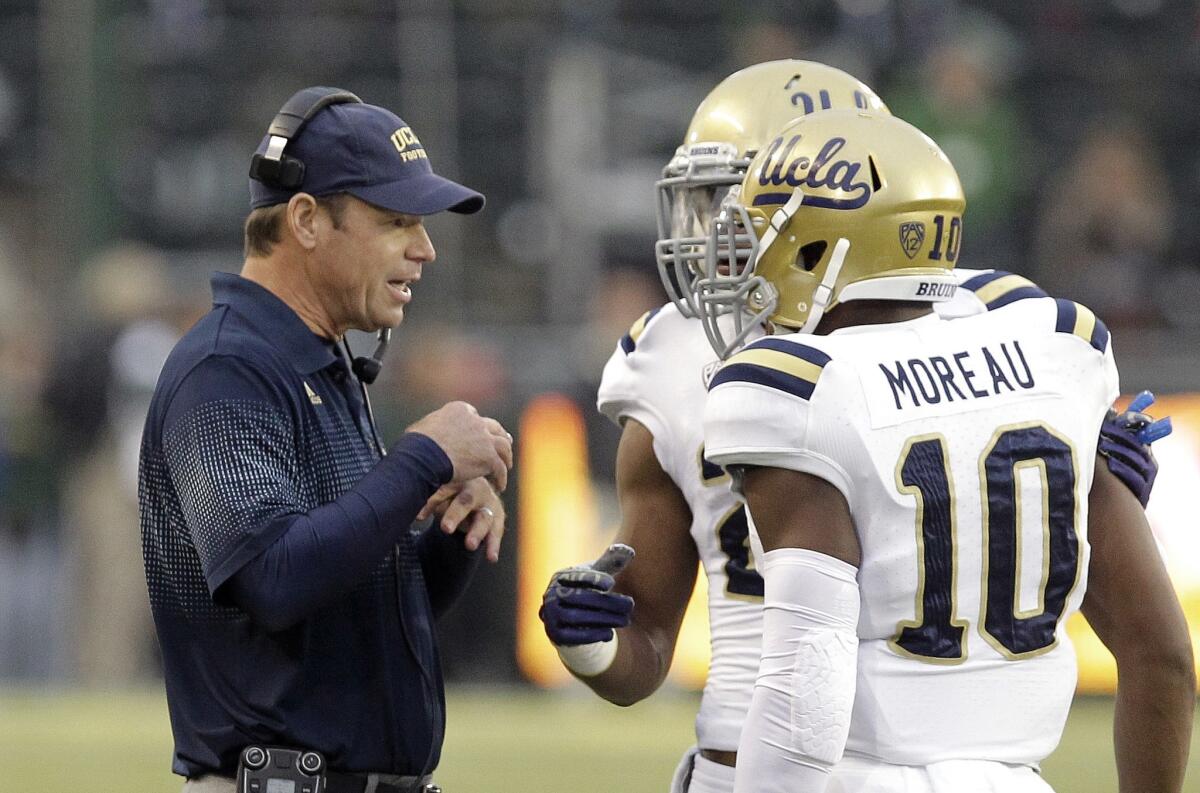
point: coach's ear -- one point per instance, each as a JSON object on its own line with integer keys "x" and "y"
{"x": 302, "y": 220}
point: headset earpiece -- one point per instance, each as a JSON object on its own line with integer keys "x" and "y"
{"x": 276, "y": 168}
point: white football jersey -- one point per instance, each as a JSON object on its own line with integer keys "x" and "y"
{"x": 965, "y": 452}
{"x": 658, "y": 375}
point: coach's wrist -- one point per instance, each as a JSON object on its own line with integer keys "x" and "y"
{"x": 426, "y": 452}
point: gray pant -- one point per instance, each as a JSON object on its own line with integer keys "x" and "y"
{"x": 211, "y": 783}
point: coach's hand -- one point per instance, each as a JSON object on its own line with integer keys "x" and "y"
{"x": 580, "y": 611}
{"x": 1125, "y": 440}
{"x": 477, "y": 446}
{"x": 473, "y": 508}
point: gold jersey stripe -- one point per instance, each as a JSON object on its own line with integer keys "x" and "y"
{"x": 637, "y": 328}
{"x": 1001, "y": 287}
{"x": 780, "y": 362}
{"x": 1085, "y": 323}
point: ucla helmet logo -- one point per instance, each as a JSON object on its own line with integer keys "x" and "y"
{"x": 816, "y": 222}
{"x": 814, "y": 173}
{"x": 912, "y": 237}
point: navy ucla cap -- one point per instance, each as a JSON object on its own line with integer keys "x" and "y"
{"x": 370, "y": 153}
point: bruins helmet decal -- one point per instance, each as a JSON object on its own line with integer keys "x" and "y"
{"x": 736, "y": 121}
{"x": 842, "y": 205}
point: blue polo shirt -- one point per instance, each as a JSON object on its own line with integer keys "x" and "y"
{"x": 288, "y": 590}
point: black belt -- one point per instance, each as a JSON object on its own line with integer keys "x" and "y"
{"x": 719, "y": 756}
{"x": 338, "y": 782}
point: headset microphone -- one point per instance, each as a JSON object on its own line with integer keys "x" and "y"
{"x": 367, "y": 369}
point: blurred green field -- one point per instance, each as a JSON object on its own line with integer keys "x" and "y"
{"x": 499, "y": 740}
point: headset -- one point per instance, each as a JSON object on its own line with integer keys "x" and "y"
{"x": 276, "y": 168}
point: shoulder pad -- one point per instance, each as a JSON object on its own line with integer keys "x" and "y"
{"x": 786, "y": 366}
{"x": 629, "y": 340}
{"x": 1000, "y": 287}
{"x": 1079, "y": 320}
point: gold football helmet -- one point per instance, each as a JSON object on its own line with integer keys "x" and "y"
{"x": 844, "y": 205}
{"x": 736, "y": 120}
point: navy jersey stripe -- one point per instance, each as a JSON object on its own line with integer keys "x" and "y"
{"x": 810, "y": 354}
{"x": 629, "y": 340}
{"x": 1066, "y": 315}
{"x": 1023, "y": 293}
{"x": 760, "y": 375}
{"x": 983, "y": 280}
{"x": 1082, "y": 322}
{"x": 1099, "y": 338}
{"x": 1010, "y": 293}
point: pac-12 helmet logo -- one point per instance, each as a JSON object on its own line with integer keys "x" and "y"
{"x": 822, "y": 172}
{"x": 912, "y": 237}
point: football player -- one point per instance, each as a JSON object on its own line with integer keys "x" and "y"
{"x": 678, "y": 509}
{"x": 926, "y": 499}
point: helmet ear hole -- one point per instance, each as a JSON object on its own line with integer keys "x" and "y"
{"x": 876, "y": 182}
{"x": 810, "y": 255}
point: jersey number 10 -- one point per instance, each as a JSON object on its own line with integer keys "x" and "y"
{"x": 923, "y": 471}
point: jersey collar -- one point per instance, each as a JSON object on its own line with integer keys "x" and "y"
{"x": 274, "y": 320}
{"x": 921, "y": 321}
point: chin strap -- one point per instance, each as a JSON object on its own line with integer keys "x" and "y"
{"x": 823, "y": 295}
{"x": 779, "y": 219}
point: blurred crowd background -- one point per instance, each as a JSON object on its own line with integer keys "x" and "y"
{"x": 125, "y": 133}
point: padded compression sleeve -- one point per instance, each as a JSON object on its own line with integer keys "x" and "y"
{"x": 800, "y": 715}
{"x": 325, "y": 552}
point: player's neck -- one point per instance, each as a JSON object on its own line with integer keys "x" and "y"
{"x": 870, "y": 312}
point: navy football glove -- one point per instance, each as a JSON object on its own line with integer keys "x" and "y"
{"x": 1125, "y": 440}
{"x": 579, "y": 606}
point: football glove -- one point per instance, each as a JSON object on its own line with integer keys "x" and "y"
{"x": 580, "y": 611}
{"x": 1125, "y": 440}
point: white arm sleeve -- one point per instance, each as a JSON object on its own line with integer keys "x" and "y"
{"x": 800, "y": 715}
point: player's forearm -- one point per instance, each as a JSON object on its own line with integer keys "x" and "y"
{"x": 1132, "y": 606}
{"x": 766, "y": 759}
{"x": 1152, "y": 725}
{"x": 800, "y": 714}
{"x": 638, "y": 669}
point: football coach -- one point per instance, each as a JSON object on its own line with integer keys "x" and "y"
{"x": 293, "y": 600}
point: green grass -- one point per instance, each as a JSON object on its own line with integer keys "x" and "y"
{"x": 499, "y": 740}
